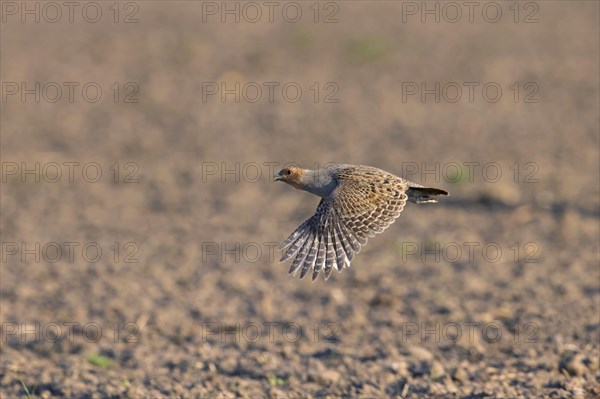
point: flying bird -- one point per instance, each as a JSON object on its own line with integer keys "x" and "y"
{"x": 357, "y": 202}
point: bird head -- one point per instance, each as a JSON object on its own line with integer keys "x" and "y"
{"x": 291, "y": 176}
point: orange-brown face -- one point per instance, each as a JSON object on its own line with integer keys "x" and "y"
{"x": 290, "y": 176}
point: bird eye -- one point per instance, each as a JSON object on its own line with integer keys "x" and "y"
{"x": 288, "y": 172}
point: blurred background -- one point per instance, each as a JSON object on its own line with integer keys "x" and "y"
{"x": 140, "y": 220}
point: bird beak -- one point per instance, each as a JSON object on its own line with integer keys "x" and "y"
{"x": 277, "y": 176}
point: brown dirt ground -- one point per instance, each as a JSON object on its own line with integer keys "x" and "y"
{"x": 197, "y": 316}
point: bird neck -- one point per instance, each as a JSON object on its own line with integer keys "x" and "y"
{"x": 319, "y": 182}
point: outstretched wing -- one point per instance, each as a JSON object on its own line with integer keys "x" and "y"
{"x": 364, "y": 204}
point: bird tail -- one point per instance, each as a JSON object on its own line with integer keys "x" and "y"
{"x": 422, "y": 195}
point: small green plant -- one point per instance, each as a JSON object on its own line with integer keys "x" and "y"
{"x": 29, "y": 394}
{"x": 100, "y": 361}
{"x": 366, "y": 49}
{"x": 275, "y": 381}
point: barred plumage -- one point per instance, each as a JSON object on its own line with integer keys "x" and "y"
{"x": 357, "y": 203}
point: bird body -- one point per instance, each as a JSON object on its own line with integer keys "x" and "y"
{"x": 357, "y": 202}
